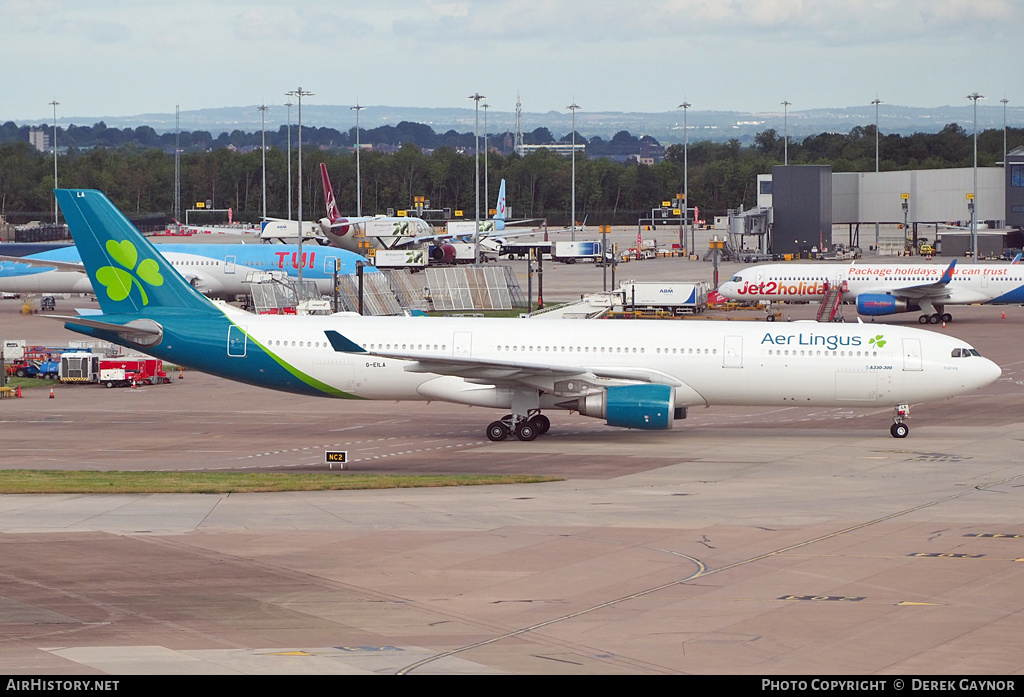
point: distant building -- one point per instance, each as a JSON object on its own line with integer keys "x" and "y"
{"x": 558, "y": 148}
{"x": 39, "y": 139}
{"x": 651, "y": 152}
{"x": 1015, "y": 188}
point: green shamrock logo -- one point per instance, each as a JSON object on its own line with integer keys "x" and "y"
{"x": 118, "y": 281}
{"x": 878, "y": 341}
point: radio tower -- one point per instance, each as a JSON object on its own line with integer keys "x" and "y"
{"x": 519, "y": 126}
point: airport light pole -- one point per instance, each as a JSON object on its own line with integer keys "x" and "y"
{"x": 573, "y": 107}
{"x": 974, "y": 97}
{"x": 300, "y": 93}
{"x": 289, "y": 105}
{"x": 359, "y": 180}
{"x": 876, "y": 101}
{"x": 785, "y": 131}
{"x": 686, "y": 199}
{"x": 263, "y": 120}
{"x": 487, "y": 189}
{"x": 55, "y": 104}
{"x": 476, "y": 97}
{"x": 1004, "y": 101}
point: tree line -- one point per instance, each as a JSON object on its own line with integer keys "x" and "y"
{"x": 139, "y": 178}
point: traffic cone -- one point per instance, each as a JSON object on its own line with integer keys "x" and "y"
{"x": 181, "y": 373}
{"x": 51, "y": 393}
{"x": 1004, "y": 314}
{"x": 18, "y": 393}
{"x": 943, "y": 324}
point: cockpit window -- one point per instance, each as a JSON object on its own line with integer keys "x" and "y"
{"x": 956, "y": 353}
{"x": 965, "y": 352}
{"x": 736, "y": 279}
{"x": 974, "y": 352}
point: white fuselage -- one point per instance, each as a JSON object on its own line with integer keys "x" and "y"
{"x": 970, "y": 283}
{"x": 755, "y": 364}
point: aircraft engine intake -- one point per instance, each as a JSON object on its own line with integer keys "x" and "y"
{"x": 650, "y": 407}
{"x": 443, "y": 253}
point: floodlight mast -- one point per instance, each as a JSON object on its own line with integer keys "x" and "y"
{"x": 974, "y": 96}
{"x": 573, "y": 108}
{"x": 476, "y": 97}
{"x": 300, "y": 93}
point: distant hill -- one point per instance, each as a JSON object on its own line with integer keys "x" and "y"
{"x": 666, "y": 127}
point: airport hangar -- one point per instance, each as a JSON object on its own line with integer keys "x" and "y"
{"x": 797, "y": 206}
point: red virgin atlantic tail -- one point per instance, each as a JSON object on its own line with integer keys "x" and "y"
{"x": 332, "y": 206}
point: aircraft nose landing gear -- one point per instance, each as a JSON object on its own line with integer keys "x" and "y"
{"x": 898, "y": 428}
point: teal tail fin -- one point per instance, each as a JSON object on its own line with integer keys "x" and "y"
{"x": 128, "y": 274}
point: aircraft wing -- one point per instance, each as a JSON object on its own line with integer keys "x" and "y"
{"x": 561, "y": 380}
{"x": 917, "y": 291}
{"x": 41, "y": 263}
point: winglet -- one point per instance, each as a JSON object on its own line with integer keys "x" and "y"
{"x": 947, "y": 275}
{"x": 341, "y": 344}
{"x": 1016, "y": 259}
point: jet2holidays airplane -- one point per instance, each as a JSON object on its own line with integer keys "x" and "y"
{"x": 644, "y": 377}
{"x": 218, "y": 270}
{"x": 884, "y": 288}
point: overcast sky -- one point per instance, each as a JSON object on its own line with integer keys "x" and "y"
{"x": 127, "y": 57}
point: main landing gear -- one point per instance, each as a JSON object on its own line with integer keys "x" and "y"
{"x": 898, "y": 428}
{"x": 525, "y": 427}
{"x": 935, "y": 318}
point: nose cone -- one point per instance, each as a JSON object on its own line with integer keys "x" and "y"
{"x": 988, "y": 373}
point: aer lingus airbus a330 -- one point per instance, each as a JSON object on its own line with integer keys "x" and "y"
{"x": 637, "y": 374}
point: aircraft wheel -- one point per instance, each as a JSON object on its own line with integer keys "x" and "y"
{"x": 899, "y": 430}
{"x": 923, "y": 319}
{"x": 934, "y": 319}
{"x": 497, "y": 431}
{"x": 526, "y": 431}
{"x": 946, "y": 317}
{"x": 541, "y": 423}
{"x": 769, "y": 318}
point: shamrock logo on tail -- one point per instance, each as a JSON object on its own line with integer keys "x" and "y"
{"x": 877, "y": 342}
{"x": 119, "y": 281}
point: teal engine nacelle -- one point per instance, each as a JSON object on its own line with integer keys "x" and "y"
{"x": 650, "y": 407}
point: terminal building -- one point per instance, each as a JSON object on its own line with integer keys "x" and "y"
{"x": 891, "y": 212}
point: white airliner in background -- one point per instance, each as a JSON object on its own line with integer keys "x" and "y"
{"x": 884, "y": 288}
{"x": 641, "y": 374}
{"x": 217, "y": 270}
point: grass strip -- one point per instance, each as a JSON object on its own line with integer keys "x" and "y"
{"x": 92, "y": 482}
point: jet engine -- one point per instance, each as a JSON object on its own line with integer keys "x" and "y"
{"x": 442, "y": 254}
{"x": 881, "y": 304}
{"x": 650, "y": 407}
{"x": 328, "y": 228}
